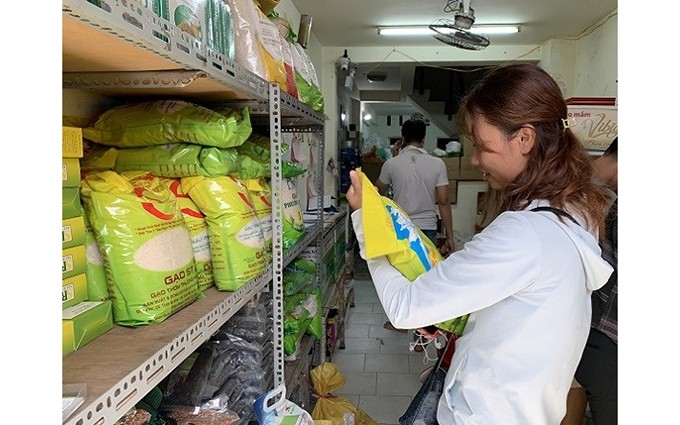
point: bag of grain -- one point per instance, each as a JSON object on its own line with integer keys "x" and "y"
{"x": 235, "y": 232}
{"x": 260, "y": 193}
{"x": 144, "y": 243}
{"x": 198, "y": 230}
{"x": 388, "y": 231}
{"x": 178, "y": 160}
{"x": 95, "y": 272}
{"x": 161, "y": 122}
{"x": 258, "y": 45}
{"x": 293, "y": 225}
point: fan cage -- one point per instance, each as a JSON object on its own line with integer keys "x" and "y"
{"x": 448, "y": 33}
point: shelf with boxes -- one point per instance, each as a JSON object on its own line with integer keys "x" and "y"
{"x": 123, "y": 52}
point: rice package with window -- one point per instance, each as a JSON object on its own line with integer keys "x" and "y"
{"x": 145, "y": 245}
{"x": 235, "y": 233}
{"x": 198, "y": 230}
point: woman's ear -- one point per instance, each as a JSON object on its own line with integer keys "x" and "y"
{"x": 527, "y": 138}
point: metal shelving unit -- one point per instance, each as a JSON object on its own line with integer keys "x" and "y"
{"x": 127, "y": 52}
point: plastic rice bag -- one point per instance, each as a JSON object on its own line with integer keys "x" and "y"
{"x": 235, "y": 232}
{"x": 145, "y": 245}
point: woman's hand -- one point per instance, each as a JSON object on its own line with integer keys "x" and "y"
{"x": 354, "y": 192}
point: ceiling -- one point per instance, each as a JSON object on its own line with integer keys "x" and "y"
{"x": 353, "y": 23}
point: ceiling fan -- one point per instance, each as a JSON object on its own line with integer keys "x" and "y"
{"x": 456, "y": 32}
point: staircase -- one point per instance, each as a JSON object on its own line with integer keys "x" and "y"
{"x": 437, "y": 93}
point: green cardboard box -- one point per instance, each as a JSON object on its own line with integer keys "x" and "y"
{"x": 84, "y": 322}
{"x": 70, "y": 172}
{"x": 72, "y": 232}
{"x": 70, "y": 202}
{"x": 73, "y": 290}
{"x": 73, "y": 261}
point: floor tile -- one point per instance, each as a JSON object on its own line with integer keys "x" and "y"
{"x": 365, "y": 319}
{"x": 357, "y": 331}
{"x": 349, "y": 362}
{"x": 384, "y": 409}
{"x": 397, "y": 384}
{"x": 362, "y": 345}
{"x": 395, "y": 363}
{"x": 358, "y": 383}
{"x": 363, "y": 308}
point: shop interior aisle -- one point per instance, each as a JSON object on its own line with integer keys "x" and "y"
{"x": 381, "y": 374}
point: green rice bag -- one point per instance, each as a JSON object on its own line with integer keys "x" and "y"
{"x": 198, "y": 230}
{"x": 244, "y": 127}
{"x": 293, "y": 225}
{"x": 260, "y": 193}
{"x": 235, "y": 233}
{"x": 161, "y": 122}
{"x": 250, "y": 168}
{"x": 95, "y": 272}
{"x": 144, "y": 243}
{"x": 178, "y": 160}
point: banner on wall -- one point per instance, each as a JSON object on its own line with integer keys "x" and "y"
{"x": 594, "y": 121}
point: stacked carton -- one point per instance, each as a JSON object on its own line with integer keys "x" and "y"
{"x": 82, "y": 320}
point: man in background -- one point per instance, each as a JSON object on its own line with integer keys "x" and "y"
{"x": 420, "y": 184}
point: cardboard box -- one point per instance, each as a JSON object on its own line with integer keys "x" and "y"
{"x": 71, "y": 142}
{"x": 83, "y": 323}
{"x": 452, "y": 167}
{"x": 70, "y": 202}
{"x": 73, "y": 290}
{"x": 468, "y": 146}
{"x": 70, "y": 172}
{"x": 73, "y": 261}
{"x": 453, "y": 191}
{"x": 595, "y": 126}
{"x": 469, "y": 171}
{"x": 72, "y": 232}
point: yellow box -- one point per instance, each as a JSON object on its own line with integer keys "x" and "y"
{"x": 70, "y": 172}
{"x": 70, "y": 202}
{"x": 72, "y": 232}
{"x": 73, "y": 290}
{"x": 83, "y": 323}
{"x": 71, "y": 142}
{"x": 73, "y": 261}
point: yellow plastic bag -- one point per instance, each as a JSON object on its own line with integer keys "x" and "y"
{"x": 388, "y": 231}
{"x": 327, "y": 378}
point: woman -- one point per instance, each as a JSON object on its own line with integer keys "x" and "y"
{"x": 525, "y": 279}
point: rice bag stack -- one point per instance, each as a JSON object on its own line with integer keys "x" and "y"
{"x": 145, "y": 245}
{"x": 198, "y": 230}
{"x": 235, "y": 232}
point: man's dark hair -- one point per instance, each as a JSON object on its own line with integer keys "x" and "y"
{"x": 613, "y": 149}
{"x": 413, "y": 131}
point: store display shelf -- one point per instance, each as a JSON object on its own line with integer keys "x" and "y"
{"x": 310, "y": 236}
{"x": 302, "y": 361}
{"x": 120, "y": 367}
{"x": 127, "y": 37}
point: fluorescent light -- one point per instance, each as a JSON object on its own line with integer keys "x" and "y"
{"x": 425, "y": 29}
{"x": 368, "y": 117}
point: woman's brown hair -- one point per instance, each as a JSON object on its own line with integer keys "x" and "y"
{"x": 559, "y": 169}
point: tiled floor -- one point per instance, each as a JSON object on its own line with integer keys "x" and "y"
{"x": 381, "y": 374}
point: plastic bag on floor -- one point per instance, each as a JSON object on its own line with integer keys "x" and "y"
{"x": 327, "y": 378}
{"x": 273, "y": 408}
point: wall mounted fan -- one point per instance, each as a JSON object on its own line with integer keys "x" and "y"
{"x": 456, "y": 32}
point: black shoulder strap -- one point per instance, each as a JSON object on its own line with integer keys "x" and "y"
{"x": 556, "y": 211}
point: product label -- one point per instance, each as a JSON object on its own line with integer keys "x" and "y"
{"x": 68, "y": 292}
{"x": 66, "y": 233}
{"x": 66, "y": 263}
